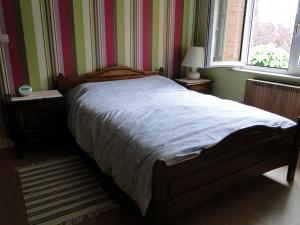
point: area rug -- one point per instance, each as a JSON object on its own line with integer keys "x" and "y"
{"x": 62, "y": 191}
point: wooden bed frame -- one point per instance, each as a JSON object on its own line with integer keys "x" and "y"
{"x": 181, "y": 185}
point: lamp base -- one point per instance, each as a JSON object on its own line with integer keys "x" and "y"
{"x": 193, "y": 75}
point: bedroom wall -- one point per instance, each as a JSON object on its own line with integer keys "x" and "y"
{"x": 74, "y": 37}
{"x": 48, "y": 37}
{"x": 231, "y": 84}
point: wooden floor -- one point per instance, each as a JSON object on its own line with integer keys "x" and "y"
{"x": 265, "y": 200}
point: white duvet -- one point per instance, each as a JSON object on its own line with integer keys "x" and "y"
{"x": 127, "y": 125}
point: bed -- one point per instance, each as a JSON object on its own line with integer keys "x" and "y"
{"x": 167, "y": 147}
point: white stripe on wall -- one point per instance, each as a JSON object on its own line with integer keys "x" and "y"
{"x": 171, "y": 35}
{"x": 102, "y": 33}
{"x": 55, "y": 26}
{"x": 140, "y": 33}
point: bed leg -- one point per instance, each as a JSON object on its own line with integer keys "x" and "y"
{"x": 291, "y": 172}
{"x": 159, "y": 190}
{"x": 293, "y": 164}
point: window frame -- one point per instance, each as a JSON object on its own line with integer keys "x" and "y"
{"x": 293, "y": 69}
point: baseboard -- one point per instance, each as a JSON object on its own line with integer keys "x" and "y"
{"x": 6, "y": 143}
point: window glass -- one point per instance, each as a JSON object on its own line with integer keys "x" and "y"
{"x": 272, "y": 33}
{"x": 228, "y": 29}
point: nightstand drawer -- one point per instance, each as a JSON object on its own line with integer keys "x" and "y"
{"x": 203, "y": 88}
{"x": 38, "y": 118}
{"x": 201, "y": 85}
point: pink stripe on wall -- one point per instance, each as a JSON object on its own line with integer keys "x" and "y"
{"x": 65, "y": 37}
{"x": 11, "y": 28}
{"x": 177, "y": 38}
{"x": 108, "y": 4}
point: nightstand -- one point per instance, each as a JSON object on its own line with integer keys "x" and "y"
{"x": 36, "y": 117}
{"x": 201, "y": 85}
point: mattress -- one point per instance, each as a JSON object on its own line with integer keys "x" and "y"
{"x": 127, "y": 125}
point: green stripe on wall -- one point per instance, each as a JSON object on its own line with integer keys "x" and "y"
{"x": 155, "y": 35}
{"x": 93, "y": 35}
{"x": 185, "y": 25}
{"x": 30, "y": 44}
{"x": 120, "y": 32}
{"x": 79, "y": 37}
{"x": 47, "y": 50}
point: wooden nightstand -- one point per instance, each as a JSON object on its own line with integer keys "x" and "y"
{"x": 34, "y": 118}
{"x": 201, "y": 85}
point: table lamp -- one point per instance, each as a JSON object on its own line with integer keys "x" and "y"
{"x": 194, "y": 59}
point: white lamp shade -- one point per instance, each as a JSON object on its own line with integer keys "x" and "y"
{"x": 194, "y": 57}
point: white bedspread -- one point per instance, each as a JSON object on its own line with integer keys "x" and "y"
{"x": 126, "y": 125}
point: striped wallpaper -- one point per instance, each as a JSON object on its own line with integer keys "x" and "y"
{"x": 48, "y": 37}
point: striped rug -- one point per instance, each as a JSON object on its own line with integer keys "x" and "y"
{"x": 62, "y": 191}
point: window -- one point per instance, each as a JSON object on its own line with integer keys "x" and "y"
{"x": 260, "y": 34}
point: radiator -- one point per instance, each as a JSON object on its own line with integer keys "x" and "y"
{"x": 282, "y": 99}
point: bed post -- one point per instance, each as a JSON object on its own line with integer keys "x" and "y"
{"x": 161, "y": 71}
{"x": 159, "y": 190}
{"x": 58, "y": 84}
{"x": 293, "y": 164}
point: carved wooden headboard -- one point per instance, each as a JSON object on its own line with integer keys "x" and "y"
{"x": 107, "y": 74}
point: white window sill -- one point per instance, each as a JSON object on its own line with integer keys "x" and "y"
{"x": 274, "y": 74}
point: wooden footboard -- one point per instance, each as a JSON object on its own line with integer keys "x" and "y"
{"x": 179, "y": 186}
